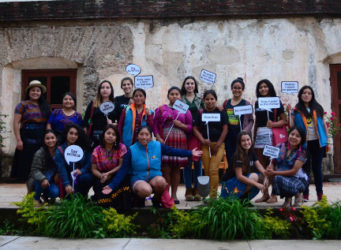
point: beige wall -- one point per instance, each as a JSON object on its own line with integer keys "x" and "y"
{"x": 296, "y": 49}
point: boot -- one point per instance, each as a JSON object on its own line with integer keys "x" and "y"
{"x": 189, "y": 194}
{"x": 196, "y": 194}
{"x": 319, "y": 196}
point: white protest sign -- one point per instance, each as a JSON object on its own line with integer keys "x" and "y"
{"x": 144, "y": 82}
{"x": 207, "y": 76}
{"x": 268, "y": 103}
{"x": 73, "y": 154}
{"x": 107, "y": 107}
{"x": 210, "y": 117}
{"x": 289, "y": 87}
{"x": 243, "y": 110}
{"x": 133, "y": 69}
{"x": 271, "y": 151}
{"x": 180, "y": 106}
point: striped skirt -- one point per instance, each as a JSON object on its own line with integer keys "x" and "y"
{"x": 287, "y": 186}
{"x": 176, "y": 139}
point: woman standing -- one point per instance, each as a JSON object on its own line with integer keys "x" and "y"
{"x": 94, "y": 120}
{"x": 212, "y": 136}
{"x": 134, "y": 117}
{"x": 289, "y": 178}
{"x": 168, "y": 121}
{"x": 122, "y": 101}
{"x": 106, "y": 160}
{"x": 190, "y": 96}
{"x": 29, "y": 123}
{"x": 264, "y": 123}
{"x": 241, "y": 178}
{"x": 236, "y": 123}
{"x": 59, "y": 118}
{"x": 74, "y": 135}
{"x": 43, "y": 169}
{"x": 143, "y": 161}
{"x": 309, "y": 116}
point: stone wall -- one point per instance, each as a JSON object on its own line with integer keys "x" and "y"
{"x": 297, "y": 49}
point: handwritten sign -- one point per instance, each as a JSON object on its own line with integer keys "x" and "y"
{"x": 289, "y": 87}
{"x": 243, "y": 110}
{"x": 133, "y": 69}
{"x": 207, "y": 76}
{"x": 269, "y": 103}
{"x": 107, "y": 107}
{"x": 73, "y": 154}
{"x": 180, "y": 106}
{"x": 271, "y": 151}
{"x": 144, "y": 82}
{"x": 210, "y": 117}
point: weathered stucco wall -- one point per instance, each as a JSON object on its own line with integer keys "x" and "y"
{"x": 297, "y": 49}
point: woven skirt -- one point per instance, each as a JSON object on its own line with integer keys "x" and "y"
{"x": 176, "y": 139}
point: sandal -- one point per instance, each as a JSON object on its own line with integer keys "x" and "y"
{"x": 273, "y": 199}
{"x": 287, "y": 202}
{"x": 264, "y": 198}
{"x": 298, "y": 200}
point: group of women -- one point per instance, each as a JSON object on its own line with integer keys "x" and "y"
{"x": 120, "y": 155}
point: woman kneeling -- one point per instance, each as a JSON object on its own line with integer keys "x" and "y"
{"x": 289, "y": 177}
{"x": 241, "y": 180}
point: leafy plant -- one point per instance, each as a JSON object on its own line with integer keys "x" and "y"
{"x": 332, "y": 124}
{"x": 276, "y": 226}
{"x": 118, "y": 225}
{"x": 32, "y": 215}
{"x": 182, "y": 223}
{"x": 75, "y": 218}
{"x": 228, "y": 219}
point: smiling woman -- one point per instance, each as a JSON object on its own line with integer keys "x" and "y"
{"x": 28, "y": 125}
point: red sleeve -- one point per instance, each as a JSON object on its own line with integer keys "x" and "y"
{"x": 121, "y": 122}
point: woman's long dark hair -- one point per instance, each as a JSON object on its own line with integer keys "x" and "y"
{"x": 313, "y": 104}
{"x": 118, "y": 139}
{"x": 183, "y": 89}
{"x": 272, "y": 91}
{"x": 43, "y": 104}
{"x": 240, "y": 152}
{"x": 48, "y": 157}
{"x": 82, "y": 140}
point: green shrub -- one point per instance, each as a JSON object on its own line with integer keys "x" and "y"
{"x": 118, "y": 225}
{"x": 35, "y": 217}
{"x": 74, "y": 218}
{"x": 228, "y": 219}
{"x": 276, "y": 226}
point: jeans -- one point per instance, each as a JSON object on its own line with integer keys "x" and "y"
{"x": 314, "y": 161}
{"x": 50, "y": 192}
{"x": 230, "y": 145}
{"x": 189, "y": 174}
{"x": 83, "y": 184}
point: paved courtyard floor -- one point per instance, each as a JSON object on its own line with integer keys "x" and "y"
{"x": 10, "y": 193}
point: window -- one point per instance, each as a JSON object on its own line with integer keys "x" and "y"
{"x": 57, "y": 82}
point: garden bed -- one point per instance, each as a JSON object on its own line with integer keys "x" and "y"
{"x": 222, "y": 219}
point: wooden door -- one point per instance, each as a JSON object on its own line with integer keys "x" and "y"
{"x": 335, "y": 80}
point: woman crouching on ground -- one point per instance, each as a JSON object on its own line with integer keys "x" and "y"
{"x": 241, "y": 179}
{"x": 289, "y": 177}
{"x": 143, "y": 160}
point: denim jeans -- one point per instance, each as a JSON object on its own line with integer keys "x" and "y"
{"x": 50, "y": 192}
{"x": 84, "y": 183}
{"x": 189, "y": 174}
{"x": 314, "y": 161}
